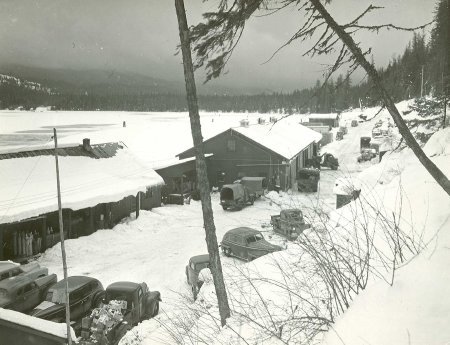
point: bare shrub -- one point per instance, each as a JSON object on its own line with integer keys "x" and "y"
{"x": 291, "y": 297}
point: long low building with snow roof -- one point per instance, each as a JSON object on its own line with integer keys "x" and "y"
{"x": 331, "y": 119}
{"x": 100, "y": 185}
{"x": 272, "y": 150}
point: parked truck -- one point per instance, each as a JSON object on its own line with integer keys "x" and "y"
{"x": 255, "y": 185}
{"x": 194, "y": 267}
{"x": 125, "y": 305}
{"x": 289, "y": 223}
{"x": 366, "y": 155}
{"x": 236, "y": 196}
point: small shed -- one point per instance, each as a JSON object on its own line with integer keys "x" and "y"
{"x": 180, "y": 179}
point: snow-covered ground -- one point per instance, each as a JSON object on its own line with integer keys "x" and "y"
{"x": 156, "y": 247}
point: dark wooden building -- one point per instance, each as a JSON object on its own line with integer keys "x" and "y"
{"x": 331, "y": 120}
{"x": 275, "y": 151}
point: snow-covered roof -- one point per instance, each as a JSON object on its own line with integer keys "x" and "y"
{"x": 45, "y": 326}
{"x": 324, "y": 116}
{"x": 175, "y": 161}
{"x": 28, "y": 187}
{"x": 287, "y": 138}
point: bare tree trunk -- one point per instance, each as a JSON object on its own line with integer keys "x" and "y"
{"x": 202, "y": 178}
{"x": 434, "y": 171}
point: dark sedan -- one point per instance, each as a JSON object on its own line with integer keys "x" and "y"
{"x": 21, "y": 293}
{"x": 85, "y": 293}
{"x": 246, "y": 243}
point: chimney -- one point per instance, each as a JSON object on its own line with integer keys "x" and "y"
{"x": 87, "y": 144}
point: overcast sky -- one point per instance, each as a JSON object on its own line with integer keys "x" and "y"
{"x": 141, "y": 36}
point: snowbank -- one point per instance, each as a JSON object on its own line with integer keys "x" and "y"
{"x": 416, "y": 308}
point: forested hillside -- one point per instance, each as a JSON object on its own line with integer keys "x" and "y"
{"x": 422, "y": 69}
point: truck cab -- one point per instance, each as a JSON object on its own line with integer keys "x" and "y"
{"x": 195, "y": 266}
{"x": 141, "y": 303}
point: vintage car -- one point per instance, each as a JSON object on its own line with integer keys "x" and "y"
{"x": 10, "y": 269}
{"x": 366, "y": 155}
{"x": 195, "y": 265}
{"x": 364, "y": 143}
{"x": 289, "y": 223}
{"x": 246, "y": 244}
{"x": 22, "y": 293}
{"x": 236, "y": 196}
{"x": 85, "y": 293}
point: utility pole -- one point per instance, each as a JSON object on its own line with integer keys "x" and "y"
{"x": 61, "y": 233}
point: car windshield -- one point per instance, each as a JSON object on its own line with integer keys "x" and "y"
{"x": 3, "y": 293}
{"x": 254, "y": 238}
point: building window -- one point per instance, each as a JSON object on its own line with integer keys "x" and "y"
{"x": 231, "y": 145}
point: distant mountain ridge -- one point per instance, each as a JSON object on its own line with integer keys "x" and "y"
{"x": 99, "y": 82}
{"x": 7, "y": 80}
{"x": 108, "y": 82}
